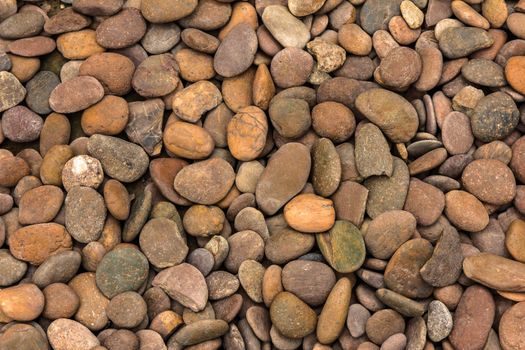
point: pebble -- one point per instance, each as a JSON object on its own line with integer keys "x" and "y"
{"x": 456, "y": 133}
{"x": 465, "y": 211}
{"x": 489, "y": 172}
{"x": 121, "y": 30}
{"x": 332, "y": 318}
{"x": 419, "y": 196}
{"x": 11, "y": 91}
{"x": 250, "y": 276}
{"x": 188, "y": 140}
{"x": 509, "y": 335}
{"x": 163, "y": 243}
{"x": 343, "y": 247}
{"x": 513, "y": 69}
{"x": 22, "y": 25}
{"x": 291, "y": 316}
{"x": 290, "y": 117}
{"x": 402, "y": 272}
{"x": 390, "y": 71}
{"x": 126, "y": 310}
{"x": 24, "y": 336}
{"x": 57, "y": 268}
{"x": 192, "y": 102}
{"x": 156, "y": 76}
{"x": 291, "y": 67}
{"x": 66, "y": 97}
{"x": 462, "y": 41}
{"x": 236, "y": 52}
{"x": 356, "y": 320}
{"x": 23, "y": 302}
{"x": 85, "y": 214}
{"x": 161, "y": 38}
{"x": 383, "y": 324}
{"x": 121, "y": 270}
{"x": 350, "y": 202}
{"x": 372, "y": 152}
{"x": 388, "y": 231}
{"x": 115, "y": 76}
{"x": 40, "y": 205}
{"x": 39, "y": 89}
{"x": 311, "y": 281}
{"x": 160, "y": 12}
{"x": 12, "y": 269}
{"x": 122, "y": 160}
{"x": 376, "y": 14}
{"x": 399, "y": 124}
{"x": 411, "y": 14}
{"x": 65, "y": 334}
{"x": 439, "y": 321}
{"x": 354, "y": 39}
{"x": 201, "y": 331}
{"x": 484, "y": 72}
{"x": 495, "y": 272}
{"x": 401, "y": 304}
{"x": 288, "y": 30}
{"x": 473, "y": 318}
{"x": 309, "y": 213}
{"x": 61, "y": 301}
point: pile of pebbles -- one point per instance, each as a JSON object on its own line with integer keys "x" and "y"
{"x": 263, "y": 174}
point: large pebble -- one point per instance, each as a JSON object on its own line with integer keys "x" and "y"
{"x": 184, "y": 283}
{"x": 188, "y": 140}
{"x": 156, "y": 76}
{"x": 375, "y": 14}
{"x": 494, "y": 117}
{"x": 39, "y": 89}
{"x": 462, "y": 41}
{"x": 388, "y": 231}
{"x": 490, "y": 180}
{"x": 121, "y": 270}
{"x": 201, "y": 331}
{"x": 372, "y": 152}
{"x": 333, "y": 316}
{"x": 391, "y": 112}
{"x": 11, "y": 91}
{"x": 92, "y": 310}
{"x": 145, "y": 124}
{"x": 157, "y": 11}
{"x": 20, "y": 124}
{"x": 510, "y": 335}
{"x": 162, "y": 243}
{"x": 276, "y": 186}
{"x": 121, "y": 30}
{"x": 85, "y": 214}
{"x": 309, "y": 280}
{"x": 243, "y": 245}
{"x": 58, "y": 268}
{"x": 76, "y": 94}
{"x": 65, "y": 334}
{"x": 292, "y": 317}
{"x": 122, "y": 160}
{"x": 40, "y": 205}
{"x": 288, "y": 30}
{"x": 465, "y": 211}
{"x": 23, "y": 302}
{"x": 439, "y": 321}
{"x": 236, "y": 51}
{"x": 246, "y": 133}
{"x": 495, "y": 272}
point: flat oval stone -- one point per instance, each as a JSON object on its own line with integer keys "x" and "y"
{"x": 388, "y": 193}
{"x": 495, "y": 272}
{"x": 465, "y": 211}
{"x": 484, "y": 72}
{"x": 66, "y": 20}
{"x": 236, "y": 51}
{"x": 311, "y": 281}
{"x": 163, "y": 243}
{"x": 208, "y": 15}
{"x": 205, "y": 182}
{"x": 383, "y": 324}
{"x": 121, "y": 30}
{"x": 494, "y": 150}
{"x": 403, "y": 305}
{"x": 490, "y": 180}
{"x": 292, "y": 317}
{"x": 221, "y": 284}
{"x": 424, "y": 201}
{"x": 193, "y": 101}
{"x": 188, "y": 140}
{"x": 247, "y": 132}
{"x": 65, "y": 334}
{"x": 445, "y": 265}
{"x": 309, "y": 213}
{"x": 32, "y": 47}
{"x": 121, "y": 270}
{"x": 376, "y": 14}
{"x": 11, "y": 91}
{"x": 372, "y": 152}
{"x": 288, "y": 30}
{"x": 388, "y": 231}
{"x": 20, "y": 124}
{"x": 156, "y": 11}
{"x": 243, "y": 245}
{"x": 76, "y": 94}
{"x": 473, "y": 318}
{"x": 24, "y": 336}
{"x": 272, "y": 192}
{"x": 58, "y": 268}
{"x": 113, "y": 70}
{"x": 184, "y": 283}
{"x": 290, "y": 117}
{"x": 462, "y": 41}
{"x": 122, "y": 160}
{"x": 201, "y": 331}
{"x": 456, "y": 133}
{"x": 514, "y": 68}
{"x": 402, "y": 272}
{"x": 85, "y": 214}
{"x": 343, "y": 247}
{"x": 391, "y": 112}
{"x": 356, "y": 320}
{"x": 35, "y": 243}
{"x": 98, "y": 7}
{"x": 92, "y": 310}
{"x": 251, "y": 276}
{"x": 40, "y": 205}
{"x": 333, "y": 316}
{"x": 22, "y": 25}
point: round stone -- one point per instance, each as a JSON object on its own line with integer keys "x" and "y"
{"x": 388, "y": 231}
{"x": 484, "y": 72}
{"x": 236, "y": 51}
{"x": 291, "y": 316}
{"x": 127, "y": 310}
{"x": 243, "y": 245}
{"x": 85, "y": 214}
{"x": 76, "y": 94}
{"x": 121, "y": 30}
{"x": 64, "y": 334}
{"x": 290, "y": 117}
{"x": 247, "y": 132}
{"x": 400, "y": 67}
{"x": 40, "y": 204}
{"x": 23, "y": 302}
{"x": 509, "y": 327}
{"x": 515, "y": 68}
{"x": 162, "y": 243}
{"x": 107, "y": 117}
{"x": 156, "y": 76}
{"x": 439, "y": 321}
{"x": 287, "y": 29}
{"x": 113, "y": 70}
{"x": 20, "y": 124}
{"x": 291, "y": 67}
{"x": 121, "y": 270}
{"x": 383, "y": 324}
{"x": 465, "y": 211}
{"x": 82, "y": 170}
{"x": 188, "y": 140}
{"x": 61, "y": 301}
{"x": 490, "y": 180}
{"x": 39, "y": 89}
{"x": 58, "y": 268}
{"x": 311, "y": 281}
{"x": 494, "y": 117}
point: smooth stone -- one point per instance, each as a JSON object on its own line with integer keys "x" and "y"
{"x": 428, "y": 161}
{"x": 271, "y": 192}
{"x": 416, "y": 333}
{"x": 184, "y": 283}
{"x": 465, "y": 211}
{"x": 127, "y": 310}
{"x": 23, "y": 336}
{"x": 309, "y": 213}
{"x": 195, "y": 100}
{"x": 494, "y": 117}
{"x": 156, "y": 11}
{"x": 333, "y": 315}
{"x": 388, "y": 231}
{"x": 250, "y": 276}
{"x": 376, "y": 14}
{"x": 65, "y": 334}
{"x": 390, "y": 70}
{"x": 343, "y": 247}
{"x": 11, "y": 91}
{"x": 356, "y": 319}
{"x": 85, "y": 214}
{"x": 350, "y": 202}
{"x": 372, "y": 152}
{"x": 400, "y": 303}
{"x": 424, "y": 201}
{"x": 20, "y": 124}
{"x": 288, "y": 30}
{"x": 32, "y": 47}
{"x": 161, "y": 38}
{"x": 11, "y": 269}
{"x": 484, "y": 72}
{"x": 494, "y": 150}
{"x": 462, "y": 41}
{"x": 202, "y": 259}
{"x": 113, "y": 70}
{"x": 290, "y": 117}
{"x": 291, "y": 316}
{"x": 163, "y": 172}
{"x": 286, "y": 245}
{"x": 39, "y": 89}
{"x": 391, "y": 112}
{"x": 22, "y": 25}
{"x": 509, "y": 335}
{"x": 35, "y": 243}
{"x": 76, "y": 94}
{"x": 236, "y": 52}
{"x": 388, "y": 193}
{"x": 208, "y": 15}
{"x": 482, "y": 174}
{"x": 311, "y": 281}
{"x": 82, "y": 170}
{"x": 456, "y": 133}
{"x": 58, "y": 268}
{"x": 383, "y": 324}
{"x": 66, "y": 20}
{"x": 205, "y": 182}
{"x": 402, "y": 272}
{"x": 495, "y": 272}
{"x": 473, "y": 318}
{"x": 201, "y": 331}
{"x": 156, "y": 76}
{"x": 121, "y": 30}
{"x": 162, "y": 243}
{"x": 121, "y": 270}
{"x": 40, "y": 204}
{"x": 122, "y": 160}
{"x": 439, "y": 321}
